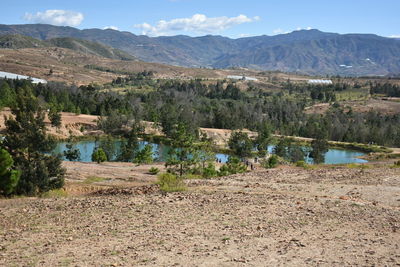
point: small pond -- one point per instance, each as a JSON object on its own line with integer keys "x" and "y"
{"x": 333, "y": 156}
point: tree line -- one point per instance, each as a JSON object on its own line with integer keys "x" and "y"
{"x": 216, "y": 104}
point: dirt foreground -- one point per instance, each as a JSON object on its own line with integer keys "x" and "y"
{"x": 280, "y": 217}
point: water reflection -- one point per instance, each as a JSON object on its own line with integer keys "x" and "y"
{"x": 333, "y": 156}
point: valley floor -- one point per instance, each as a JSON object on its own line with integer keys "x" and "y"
{"x": 332, "y": 216}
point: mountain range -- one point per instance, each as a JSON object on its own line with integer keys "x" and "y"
{"x": 304, "y": 51}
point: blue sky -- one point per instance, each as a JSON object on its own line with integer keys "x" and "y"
{"x": 219, "y": 17}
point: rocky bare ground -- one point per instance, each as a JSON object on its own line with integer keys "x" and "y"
{"x": 280, "y": 217}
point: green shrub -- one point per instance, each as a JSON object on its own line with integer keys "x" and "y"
{"x": 234, "y": 165}
{"x": 170, "y": 183}
{"x": 144, "y": 156}
{"x": 99, "y": 155}
{"x": 55, "y": 193}
{"x": 154, "y": 170}
{"x": 210, "y": 171}
{"x": 271, "y": 162}
{"x": 302, "y": 164}
{"x": 397, "y": 164}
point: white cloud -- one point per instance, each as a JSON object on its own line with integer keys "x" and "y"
{"x": 198, "y": 23}
{"x": 242, "y": 35}
{"x": 300, "y": 28}
{"x": 394, "y": 36}
{"x": 56, "y": 17}
{"x": 280, "y": 31}
{"x": 111, "y": 28}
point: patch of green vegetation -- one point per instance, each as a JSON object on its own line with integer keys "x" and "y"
{"x": 360, "y": 147}
{"x": 302, "y": 164}
{"x": 357, "y": 166}
{"x": 154, "y": 170}
{"x": 271, "y": 162}
{"x": 192, "y": 176}
{"x": 396, "y": 164}
{"x": 353, "y": 94}
{"x": 94, "y": 179}
{"x": 393, "y": 156}
{"x": 234, "y": 165}
{"x": 171, "y": 183}
{"x": 55, "y": 193}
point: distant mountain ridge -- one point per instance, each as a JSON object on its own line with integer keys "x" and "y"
{"x": 305, "y": 51}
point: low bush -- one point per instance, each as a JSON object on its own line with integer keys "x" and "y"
{"x": 302, "y": 164}
{"x": 234, "y": 165}
{"x": 55, "y": 193}
{"x": 99, "y": 155}
{"x": 154, "y": 170}
{"x": 170, "y": 183}
{"x": 271, "y": 162}
{"x": 210, "y": 171}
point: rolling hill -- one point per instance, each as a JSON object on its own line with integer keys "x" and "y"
{"x": 17, "y": 41}
{"x": 304, "y": 51}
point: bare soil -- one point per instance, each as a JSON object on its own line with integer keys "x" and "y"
{"x": 279, "y": 217}
{"x": 69, "y": 66}
{"x": 385, "y": 106}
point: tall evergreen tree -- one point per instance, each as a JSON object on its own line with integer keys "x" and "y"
{"x": 184, "y": 153}
{"x": 27, "y": 141}
{"x": 9, "y": 177}
{"x": 241, "y": 144}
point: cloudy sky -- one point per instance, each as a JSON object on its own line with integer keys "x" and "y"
{"x": 219, "y": 17}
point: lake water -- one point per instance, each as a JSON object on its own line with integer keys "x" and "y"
{"x": 333, "y": 156}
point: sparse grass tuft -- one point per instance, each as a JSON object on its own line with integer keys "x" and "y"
{"x": 396, "y": 164}
{"x": 171, "y": 183}
{"x": 302, "y": 164}
{"x": 154, "y": 170}
{"x": 357, "y": 166}
{"x": 93, "y": 179}
{"x": 55, "y": 193}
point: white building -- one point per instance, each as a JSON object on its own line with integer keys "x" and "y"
{"x": 9, "y": 75}
{"x": 245, "y": 78}
{"x": 324, "y": 82}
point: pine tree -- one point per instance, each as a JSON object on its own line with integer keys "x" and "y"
{"x": 27, "y": 141}
{"x": 241, "y": 144}
{"x": 319, "y": 148}
{"x": 8, "y": 176}
{"x": 184, "y": 153}
{"x": 263, "y": 138}
{"x": 72, "y": 153}
{"x": 7, "y": 95}
{"x": 99, "y": 155}
{"x": 144, "y": 156}
{"x": 130, "y": 147}
{"x": 55, "y": 117}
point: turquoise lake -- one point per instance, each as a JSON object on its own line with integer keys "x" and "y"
{"x": 333, "y": 156}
